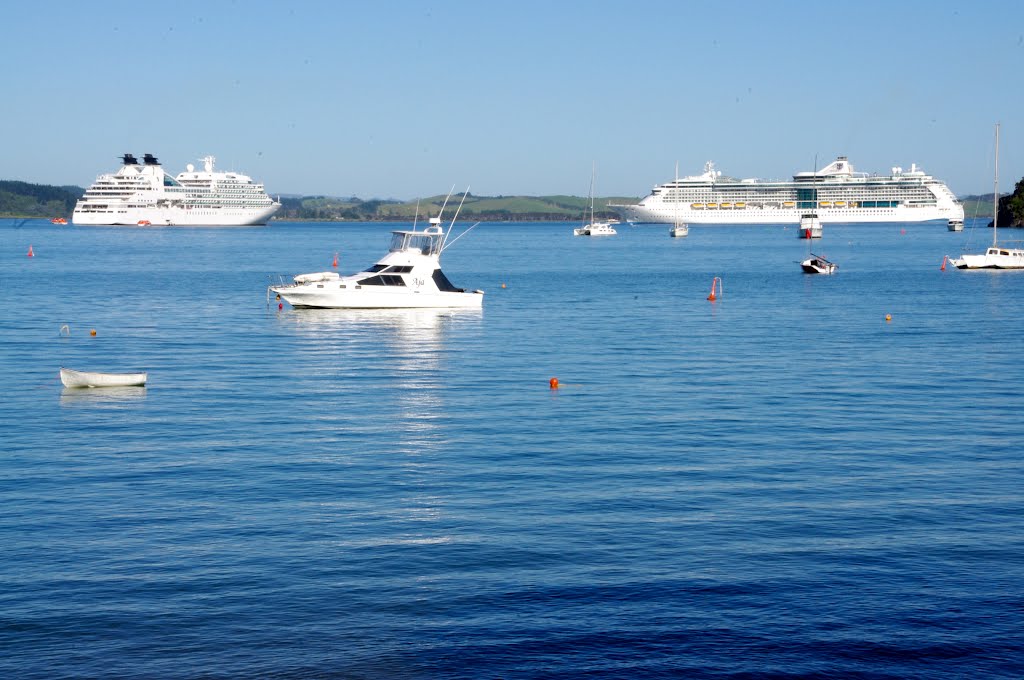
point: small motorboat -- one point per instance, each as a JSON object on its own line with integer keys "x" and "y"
{"x": 72, "y": 378}
{"x": 810, "y": 226}
{"x": 816, "y": 264}
{"x": 59, "y": 220}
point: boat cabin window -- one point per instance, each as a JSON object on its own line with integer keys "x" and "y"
{"x": 428, "y": 244}
{"x": 399, "y": 269}
{"x": 376, "y": 268}
{"x": 443, "y": 284}
{"x": 383, "y": 280}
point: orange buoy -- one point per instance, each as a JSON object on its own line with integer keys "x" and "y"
{"x": 30, "y": 253}
{"x": 888, "y": 317}
{"x": 92, "y": 332}
{"x": 714, "y": 281}
{"x": 943, "y": 267}
{"x": 553, "y": 383}
{"x": 335, "y": 263}
{"x": 503, "y": 285}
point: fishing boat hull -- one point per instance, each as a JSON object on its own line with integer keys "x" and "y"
{"x": 72, "y": 378}
{"x": 310, "y": 296}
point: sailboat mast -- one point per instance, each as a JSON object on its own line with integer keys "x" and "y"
{"x": 995, "y": 192}
{"x": 676, "y": 216}
{"x": 593, "y": 171}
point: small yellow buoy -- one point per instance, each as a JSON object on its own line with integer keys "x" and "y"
{"x": 888, "y": 317}
{"x": 503, "y": 285}
{"x": 92, "y": 331}
{"x": 553, "y": 383}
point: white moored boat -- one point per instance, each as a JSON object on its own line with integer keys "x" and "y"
{"x": 996, "y": 256}
{"x": 816, "y": 264}
{"x": 409, "y": 276}
{"x": 836, "y": 192}
{"x": 72, "y": 378}
{"x": 145, "y": 195}
{"x": 593, "y": 227}
{"x": 810, "y": 226}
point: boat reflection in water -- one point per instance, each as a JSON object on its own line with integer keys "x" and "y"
{"x": 398, "y": 358}
{"x": 384, "y": 375}
{"x": 108, "y": 396}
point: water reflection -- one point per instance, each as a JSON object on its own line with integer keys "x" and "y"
{"x": 101, "y": 396}
{"x": 391, "y": 376}
{"x": 404, "y": 353}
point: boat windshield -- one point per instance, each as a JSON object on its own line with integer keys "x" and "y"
{"x": 426, "y": 243}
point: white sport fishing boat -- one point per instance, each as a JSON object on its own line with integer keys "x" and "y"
{"x": 409, "y": 276}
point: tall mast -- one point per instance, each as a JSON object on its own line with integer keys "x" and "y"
{"x": 995, "y": 191}
{"x": 593, "y": 171}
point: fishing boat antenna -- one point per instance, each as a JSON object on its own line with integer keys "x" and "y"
{"x": 450, "y": 192}
{"x": 416, "y": 217}
{"x": 446, "y": 243}
{"x": 450, "y": 226}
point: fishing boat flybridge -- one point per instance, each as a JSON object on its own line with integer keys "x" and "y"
{"x": 409, "y": 276}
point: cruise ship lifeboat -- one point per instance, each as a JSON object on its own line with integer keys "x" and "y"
{"x": 145, "y": 223}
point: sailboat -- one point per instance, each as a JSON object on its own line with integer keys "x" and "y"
{"x": 594, "y": 228}
{"x": 678, "y": 228}
{"x": 996, "y": 257}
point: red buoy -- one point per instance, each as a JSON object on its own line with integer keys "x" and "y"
{"x": 943, "y": 267}
{"x": 335, "y": 263}
{"x": 714, "y": 281}
{"x": 553, "y": 383}
{"x": 30, "y": 253}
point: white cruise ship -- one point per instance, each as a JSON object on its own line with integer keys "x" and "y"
{"x": 146, "y": 195}
{"x": 835, "y": 193}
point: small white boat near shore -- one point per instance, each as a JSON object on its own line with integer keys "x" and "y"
{"x": 72, "y": 378}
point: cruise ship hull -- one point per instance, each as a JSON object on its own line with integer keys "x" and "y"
{"x": 177, "y": 217}
{"x": 638, "y": 214}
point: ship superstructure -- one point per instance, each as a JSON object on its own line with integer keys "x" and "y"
{"x": 144, "y": 194}
{"x": 837, "y": 193}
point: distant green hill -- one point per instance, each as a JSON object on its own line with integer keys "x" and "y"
{"x": 21, "y": 199}
{"x": 475, "y": 208}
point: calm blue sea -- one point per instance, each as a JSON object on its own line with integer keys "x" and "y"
{"x": 780, "y": 483}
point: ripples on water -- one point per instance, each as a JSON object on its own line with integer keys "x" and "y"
{"x": 779, "y": 483}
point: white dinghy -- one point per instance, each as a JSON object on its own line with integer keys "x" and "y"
{"x": 72, "y": 378}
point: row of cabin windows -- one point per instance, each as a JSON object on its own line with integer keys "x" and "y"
{"x": 393, "y": 269}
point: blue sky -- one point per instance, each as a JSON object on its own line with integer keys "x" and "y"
{"x": 405, "y": 99}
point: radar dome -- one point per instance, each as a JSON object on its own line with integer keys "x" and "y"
{"x": 190, "y": 168}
